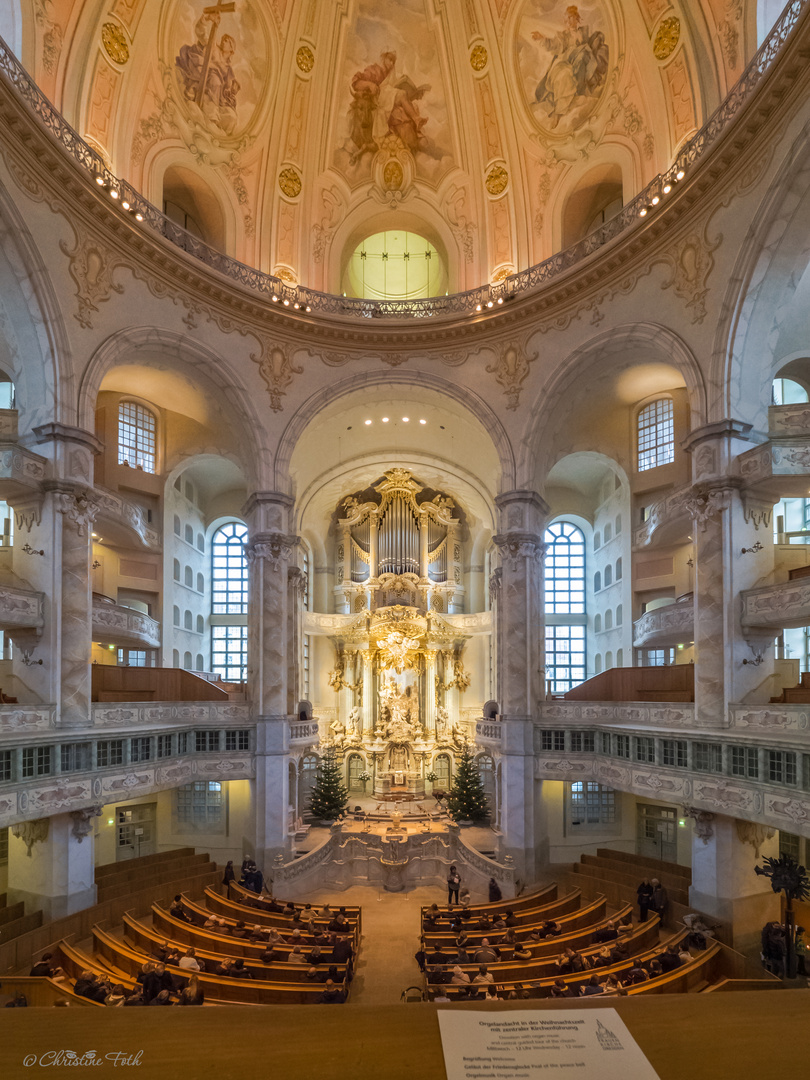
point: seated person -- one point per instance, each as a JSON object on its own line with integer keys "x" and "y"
{"x": 654, "y": 968}
{"x": 44, "y": 969}
{"x": 306, "y": 914}
{"x": 519, "y": 993}
{"x": 510, "y": 918}
{"x": 162, "y": 998}
{"x": 440, "y": 975}
{"x": 635, "y": 975}
{"x": 608, "y": 932}
{"x": 462, "y": 957}
{"x": 611, "y": 985}
{"x": 602, "y": 958}
{"x": 560, "y": 989}
{"x": 520, "y": 952}
{"x": 498, "y": 923}
{"x": 189, "y": 961}
{"x": 176, "y": 910}
{"x": 240, "y": 930}
{"x": 296, "y": 955}
{"x": 570, "y": 962}
{"x": 486, "y": 954}
{"x": 483, "y": 976}
{"x": 339, "y": 924}
{"x": 670, "y": 959}
{"x": 620, "y": 952}
{"x": 484, "y": 922}
{"x": 342, "y": 951}
{"x": 258, "y": 934}
{"x": 464, "y": 897}
{"x": 239, "y": 971}
{"x": 437, "y": 956}
{"x": 551, "y": 928}
{"x": 459, "y": 977}
{"x": 314, "y": 955}
{"x": 225, "y": 967}
{"x": 89, "y": 985}
{"x": 592, "y": 986}
{"x": 332, "y": 994}
{"x": 271, "y": 956}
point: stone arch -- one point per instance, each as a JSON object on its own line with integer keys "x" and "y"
{"x": 471, "y": 401}
{"x": 139, "y": 344}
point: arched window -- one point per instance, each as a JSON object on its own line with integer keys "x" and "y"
{"x": 608, "y": 533}
{"x": 619, "y": 615}
{"x": 176, "y": 615}
{"x": 199, "y": 663}
{"x": 608, "y": 575}
{"x": 137, "y": 436}
{"x": 176, "y": 569}
{"x": 200, "y": 542}
{"x": 189, "y": 534}
{"x": 8, "y": 396}
{"x": 619, "y": 569}
{"x": 200, "y": 583}
{"x": 486, "y": 770}
{"x": 187, "y": 619}
{"x": 656, "y": 434}
{"x": 187, "y": 661}
{"x": 608, "y": 661}
{"x": 597, "y": 623}
{"x": 597, "y": 581}
{"x": 189, "y": 577}
{"x": 176, "y": 525}
{"x": 444, "y": 775}
{"x": 787, "y": 392}
{"x": 356, "y": 766}
{"x": 597, "y": 663}
{"x": 200, "y": 624}
{"x": 229, "y": 597}
{"x": 620, "y": 658}
{"x": 175, "y": 658}
{"x": 597, "y": 540}
{"x": 618, "y": 524}
{"x": 608, "y": 619}
{"x": 565, "y": 605}
{"x": 395, "y": 265}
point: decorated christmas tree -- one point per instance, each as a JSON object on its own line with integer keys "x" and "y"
{"x": 467, "y": 800}
{"x": 329, "y": 794}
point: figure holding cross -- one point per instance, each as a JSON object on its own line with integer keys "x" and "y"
{"x": 205, "y": 72}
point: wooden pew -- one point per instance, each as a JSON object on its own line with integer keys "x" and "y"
{"x": 219, "y": 988}
{"x": 593, "y": 913}
{"x": 538, "y": 899}
{"x": 527, "y": 918}
{"x": 689, "y": 978}
{"x": 144, "y": 939}
{"x": 194, "y": 866}
{"x": 107, "y": 871}
{"x": 42, "y": 992}
{"x": 645, "y": 867}
{"x": 219, "y": 905}
{"x": 239, "y": 895}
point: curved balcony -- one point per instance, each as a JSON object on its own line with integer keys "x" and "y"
{"x": 21, "y": 472}
{"x": 114, "y": 624}
{"x": 120, "y": 519}
{"x": 668, "y": 520}
{"x": 779, "y": 468}
{"x": 666, "y": 626}
{"x": 21, "y": 609}
{"x": 781, "y": 606}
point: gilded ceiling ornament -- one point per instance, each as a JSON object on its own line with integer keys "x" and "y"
{"x": 114, "y": 42}
{"x": 393, "y": 176}
{"x": 290, "y": 182}
{"x": 667, "y": 37}
{"x": 478, "y": 58}
{"x": 497, "y": 179}
{"x": 305, "y": 58}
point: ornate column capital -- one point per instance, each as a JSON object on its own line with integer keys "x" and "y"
{"x": 274, "y": 548}
{"x": 707, "y": 500}
{"x": 83, "y": 820}
{"x": 513, "y": 547}
{"x": 703, "y": 822}
{"x": 31, "y": 832}
{"x": 77, "y": 505}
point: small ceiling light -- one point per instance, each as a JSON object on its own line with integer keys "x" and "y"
{"x": 139, "y": 216}
{"x": 667, "y": 188}
{"x": 367, "y": 422}
{"x": 477, "y": 307}
{"x": 500, "y": 299}
{"x": 385, "y": 419}
{"x": 308, "y": 308}
{"x": 286, "y": 303}
{"x": 679, "y": 175}
{"x": 655, "y": 200}
{"x": 94, "y": 535}
{"x": 423, "y": 421}
{"x": 113, "y": 194}
{"x": 405, "y": 419}
{"x": 125, "y": 204}
{"x": 642, "y": 212}
{"x": 489, "y": 303}
{"x": 100, "y": 181}
{"x": 275, "y": 299}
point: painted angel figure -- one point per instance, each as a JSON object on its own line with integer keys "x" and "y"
{"x": 205, "y": 72}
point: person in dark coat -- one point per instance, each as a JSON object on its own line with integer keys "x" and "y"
{"x": 495, "y": 893}
{"x": 659, "y": 898}
{"x": 644, "y": 893}
{"x": 229, "y": 875}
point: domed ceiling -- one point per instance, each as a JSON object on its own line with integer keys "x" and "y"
{"x": 288, "y": 131}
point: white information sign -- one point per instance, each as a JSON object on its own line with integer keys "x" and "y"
{"x": 590, "y": 1044}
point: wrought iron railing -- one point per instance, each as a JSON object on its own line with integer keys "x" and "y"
{"x": 480, "y": 299}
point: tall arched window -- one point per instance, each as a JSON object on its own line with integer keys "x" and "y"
{"x": 137, "y": 436}
{"x": 229, "y": 598}
{"x": 565, "y": 606}
{"x": 656, "y": 434}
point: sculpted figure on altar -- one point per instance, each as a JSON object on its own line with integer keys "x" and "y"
{"x": 400, "y": 711}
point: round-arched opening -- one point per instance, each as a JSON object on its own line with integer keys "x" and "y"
{"x": 8, "y": 395}
{"x": 395, "y": 265}
{"x": 190, "y": 203}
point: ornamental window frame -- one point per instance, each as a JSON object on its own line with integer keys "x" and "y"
{"x": 138, "y": 428}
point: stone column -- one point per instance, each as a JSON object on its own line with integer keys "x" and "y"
{"x": 725, "y": 522}
{"x": 724, "y": 886}
{"x": 269, "y": 552}
{"x": 430, "y": 691}
{"x": 520, "y": 672}
{"x": 368, "y": 693}
{"x": 51, "y": 865}
{"x": 270, "y": 794}
{"x": 297, "y": 583}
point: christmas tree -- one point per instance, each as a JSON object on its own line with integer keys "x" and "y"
{"x": 467, "y": 800}
{"x": 329, "y": 794}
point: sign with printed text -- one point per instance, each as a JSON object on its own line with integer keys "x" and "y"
{"x": 589, "y": 1045}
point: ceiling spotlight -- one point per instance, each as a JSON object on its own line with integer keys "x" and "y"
{"x": 385, "y": 419}
{"x": 275, "y": 299}
{"x": 667, "y": 188}
{"x": 500, "y": 299}
{"x": 100, "y": 180}
{"x": 679, "y": 175}
{"x": 113, "y": 194}
{"x": 489, "y": 303}
{"x": 405, "y": 419}
{"x": 125, "y": 204}
{"x": 286, "y": 303}
{"x": 367, "y": 422}
{"x": 655, "y": 200}
{"x": 477, "y": 307}
{"x": 139, "y": 216}
{"x": 643, "y": 212}
{"x": 307, "y": 308}
{"x": 423, "y": 421}
{"x": 296, "y": 305}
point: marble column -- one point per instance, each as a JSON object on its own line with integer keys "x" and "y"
{"x": 430, "y": 691}
{"x": 520, "y": 641}
{"x": 269, "y": 553}
{"x": 297, "y": 583}
{"x": 51, "y": 865}
{"x": 368, "y": 693}
{"x": 270, "y": 794}
{"x": 724, "y": 523}
{"x": 724, "y": 887}
{"x": 75, "y": 516}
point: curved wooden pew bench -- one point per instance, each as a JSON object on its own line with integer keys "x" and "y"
{"x": 42, "y": 992}
{"x": 217, "y": 904}
{"x": 593, "y": 914}
{"x": 219, "y": 988}
{"x": 239, "y": 894}
{"x": 184, "y": 935}
{"x": 540, "y": 898}
{"x": 526, "y": 919}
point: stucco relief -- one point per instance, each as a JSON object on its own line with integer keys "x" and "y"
{"x": 102, "y": 100}
{"x": 680, "y": 93}
{"x": 795, "y": 810}
{"x": 691, "y": 262}
{"x": 51, "y": 34}
{"x": 776, "y": 605}
{"x": 767, "y": 718}
{"x": 729, "y": 30}
{"x": 92, "y": 267}
{"x": 511, "y": 368}
{"x": 722, "y": 795}
{"x": 26, "y": 718}
{"x": 277, "y": 370}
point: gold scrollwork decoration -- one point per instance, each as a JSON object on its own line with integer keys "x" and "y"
{"x": 305, "y": 58}
{"x": 497, "y": 179}
{"x": 667, "y": 37}
{"x": 290, "y": 182}
{"x": 114, "y": 42}
{"x": 478, "y": 58}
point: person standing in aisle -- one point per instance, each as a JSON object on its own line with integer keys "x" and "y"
{"x": 453, "y": 883}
